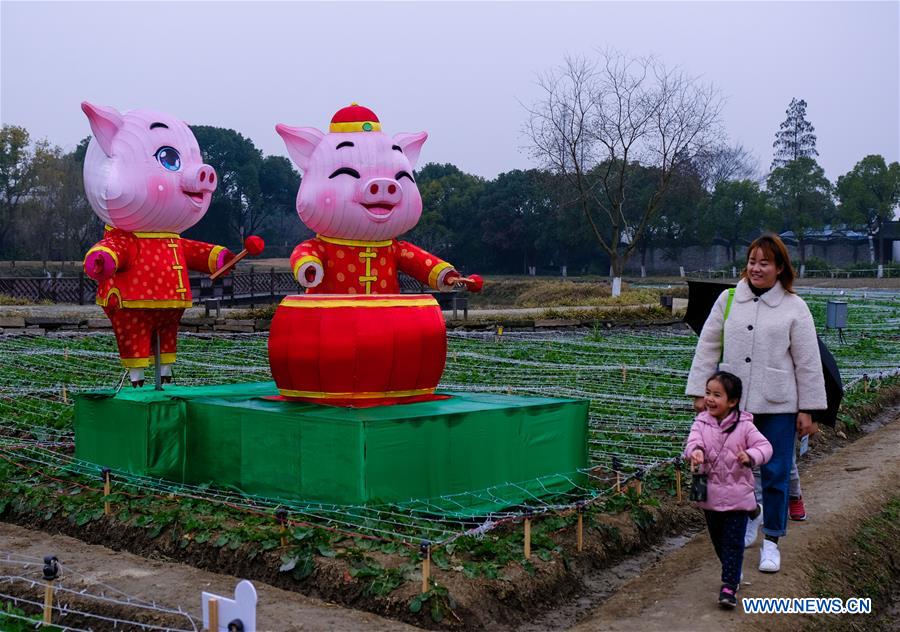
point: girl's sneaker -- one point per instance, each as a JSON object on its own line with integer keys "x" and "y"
{"x": 726, "y": 597}
{"x": 752, "y": 528}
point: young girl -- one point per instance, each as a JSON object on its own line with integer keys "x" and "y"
{"x": 725, "y": 445}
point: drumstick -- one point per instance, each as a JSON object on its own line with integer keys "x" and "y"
{"x": 473, "y": 283}
{"x": 253, "y": 245}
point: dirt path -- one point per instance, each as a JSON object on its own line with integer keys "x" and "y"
{"x": 674, "y": 590}
{"x": 178, "y": 586}
{"x": 679, "y": 592}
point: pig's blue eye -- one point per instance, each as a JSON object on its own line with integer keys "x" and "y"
{"x": 169, "y": 158}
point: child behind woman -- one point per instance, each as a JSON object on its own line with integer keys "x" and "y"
{"x": 725, "y": 445}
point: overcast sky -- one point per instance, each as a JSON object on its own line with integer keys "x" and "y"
{"x": 456, "y": 70}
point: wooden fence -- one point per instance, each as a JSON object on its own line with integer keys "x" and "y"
{"x": 237, "y": 288}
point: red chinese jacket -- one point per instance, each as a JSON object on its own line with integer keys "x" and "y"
{"x": 152, "y": 268}
{"x": 367, "y": 267}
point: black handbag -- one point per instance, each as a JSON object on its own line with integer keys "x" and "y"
{"x": 700, "y": 481}
{"x": 698, "y": 486}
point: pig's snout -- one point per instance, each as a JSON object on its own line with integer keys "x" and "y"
{"x": 199, "y": 179}
{"x": 382, "y": 191}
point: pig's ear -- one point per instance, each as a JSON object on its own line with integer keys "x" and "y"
{"x": 105, "y": 123}
{"x": 411, "y": 144}
{"x": 301, "y": 142}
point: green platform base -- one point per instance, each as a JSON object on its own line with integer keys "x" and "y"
{"x": 230, "y": 436}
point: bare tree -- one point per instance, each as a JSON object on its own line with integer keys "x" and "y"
{"x": 724, "y": 163}
{"x": 600, "y": 119}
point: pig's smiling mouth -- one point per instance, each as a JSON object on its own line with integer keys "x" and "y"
{"x": 379, "y": 211}
{"x": 196, "y": 197}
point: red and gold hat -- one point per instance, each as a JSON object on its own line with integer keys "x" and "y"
{"x": 355, "y": 118}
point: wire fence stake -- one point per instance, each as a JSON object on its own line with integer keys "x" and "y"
{"x": 106, "y": 489}
{"x": 281, "y": 516}
{"x": 579, "y": 532}
{"x": 617, "y": 466}
{"x": 51, "y": 572}
{"x": 425, "y": 550}
{"x": 527, "y": 538}
{"x": 678, "y": 493}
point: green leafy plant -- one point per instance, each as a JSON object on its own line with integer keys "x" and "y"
{"x": 14, "y": 619}
{"x": 439, "y": 600}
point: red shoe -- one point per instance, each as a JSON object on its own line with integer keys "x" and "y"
{"x": 796, "y": 510}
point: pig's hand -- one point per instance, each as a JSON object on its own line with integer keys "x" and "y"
{"x": 310, "y": 274}
{"x": 99, "y": 265}
{"x": 449, "y": 280}
{"x": 224, "y": 257}
{"x": 452, "y": 280}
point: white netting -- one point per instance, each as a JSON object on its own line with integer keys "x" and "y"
{"x": 634, "y": 380}
{"x": 79, "y": 601}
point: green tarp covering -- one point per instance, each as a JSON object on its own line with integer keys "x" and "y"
{"x": 231, "y": 436}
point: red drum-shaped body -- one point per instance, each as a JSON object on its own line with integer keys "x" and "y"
{"x": 361, "y": 350}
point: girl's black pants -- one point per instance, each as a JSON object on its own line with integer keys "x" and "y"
{"x": 726, "y": 530}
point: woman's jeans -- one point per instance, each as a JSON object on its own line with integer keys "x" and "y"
{"x": 781, "y": 431}
{"x": 794, "y": 489}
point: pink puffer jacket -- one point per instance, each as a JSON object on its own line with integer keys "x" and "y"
{"x": 730, "y": 484}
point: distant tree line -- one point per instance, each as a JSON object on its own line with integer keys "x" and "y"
{"x": 44, "y": 214}
{"x": 587, "y": 215}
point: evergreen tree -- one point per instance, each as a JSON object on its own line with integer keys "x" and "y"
{"x": 255, "y": 194}
{"x": 869, "y": 193}
{"x": 18, "y": 180}
{"x": 800, "y": 195}
{"x": 735, "y": 213}
{"x": 451, "y": 216}
{"x": 795, "y": 139}
{"x": 515, "y": 210}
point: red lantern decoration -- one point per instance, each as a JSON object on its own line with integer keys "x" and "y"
{"x": 361, "y": 351}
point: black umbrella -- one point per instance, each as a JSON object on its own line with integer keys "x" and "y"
{"x": 834, "y": 388}
{"x": 702, "y": 295}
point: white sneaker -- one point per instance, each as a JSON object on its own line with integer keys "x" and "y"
{"x": 752, "y": 528}
{"x": 769, "y": 557}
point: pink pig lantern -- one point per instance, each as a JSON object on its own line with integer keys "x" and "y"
{"x": 144, "y": 177}
{"x": 353, "y": 339}
{"x": 358, "y": 194}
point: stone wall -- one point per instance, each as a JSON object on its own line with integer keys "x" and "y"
{"x": 692, "y": 258}
{"x": 716, "y": 257}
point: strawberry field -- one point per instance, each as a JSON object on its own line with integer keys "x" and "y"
{"x": 634, "y": 380}
{"x": 639, "y": 417}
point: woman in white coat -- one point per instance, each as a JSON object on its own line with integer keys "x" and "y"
{"x": 768, "y": 339}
